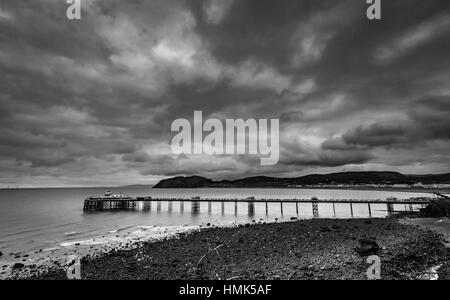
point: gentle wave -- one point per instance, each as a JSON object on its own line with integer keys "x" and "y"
{"x": 71, "y": 233}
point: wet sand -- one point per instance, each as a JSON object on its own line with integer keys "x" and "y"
{"x": 307, "y": 249}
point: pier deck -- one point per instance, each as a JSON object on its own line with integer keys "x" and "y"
{"x": 101, "y": 203}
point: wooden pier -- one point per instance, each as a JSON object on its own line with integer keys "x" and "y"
{"x": 102, "y": 203}
{"x": 131, "y": 203}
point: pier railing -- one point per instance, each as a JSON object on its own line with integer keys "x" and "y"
{"x": 131, "y": 203}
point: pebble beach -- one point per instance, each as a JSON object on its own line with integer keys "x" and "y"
{"x": 317, "y": 249}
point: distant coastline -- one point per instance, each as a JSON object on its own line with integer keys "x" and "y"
{"x": 107, "y": 187}
{"x": 381, "y": 189}
{"x": 345, "y": 180}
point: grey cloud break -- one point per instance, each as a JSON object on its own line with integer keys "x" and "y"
{"x": 90, "y": 102}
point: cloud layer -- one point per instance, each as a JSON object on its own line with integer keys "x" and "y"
{"x": 91, "y": 102}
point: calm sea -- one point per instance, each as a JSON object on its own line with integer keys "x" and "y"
{"x": 44, "y": 225}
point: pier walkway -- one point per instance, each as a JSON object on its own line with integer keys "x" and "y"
{"x": 102, "y": 203}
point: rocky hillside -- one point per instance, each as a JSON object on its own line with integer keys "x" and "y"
{"x": 316, "y": 179}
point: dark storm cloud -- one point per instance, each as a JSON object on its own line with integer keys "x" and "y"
{"x": 95, "y": 98}
{"x": 426, "y": 122}
{"x": 431, "y": 117}
{"x": 330, "y": 159}
{"x": 42, "y": 26}
{"x": 292, "y": 116}
{"x": 270, "y": 31}
{"x": 297, "y": 154}
{"x": 375, "y": 135}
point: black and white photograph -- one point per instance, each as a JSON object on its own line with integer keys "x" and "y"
{"x": 224, "y": 141}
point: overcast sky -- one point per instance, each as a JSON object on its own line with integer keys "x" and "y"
{"x": 91, "y": 102}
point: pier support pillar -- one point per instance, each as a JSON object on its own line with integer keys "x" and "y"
{"x": 182, "y": 206}
{"x": 296, "y": 207}
{"x": 390, "y": 209}
{"x": 267, "y": 209}
{"x": 281, "y": 207}
{"x": 235, "y": 208}
{"x": 223, "y": 208}
{"x": 209, "y": 207}
{"x": 251, "y": 209}
{"x": 334, "y": 209}
{"x": 351, "y": 209}
{"x": 315, "y": 208}
{"x": 370, "y": 210}
{"x": 158, "y": 206}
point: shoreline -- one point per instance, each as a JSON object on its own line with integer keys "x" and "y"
{"x": 387, "y": 189}
{"x": 405, "y": 190}
{"x": 44, "y": 259}
{"x": 302, "y": 249}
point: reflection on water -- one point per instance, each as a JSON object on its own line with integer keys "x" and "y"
{"x": 158, "y": 206}
{"x": 261, "y": 209}
{"x": 195, "y": 208}
{"x": 147, "y": 206}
